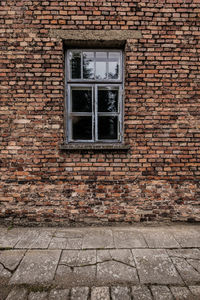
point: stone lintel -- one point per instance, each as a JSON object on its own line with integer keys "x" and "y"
{"x": 96, "y": 38}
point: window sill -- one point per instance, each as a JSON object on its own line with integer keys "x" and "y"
{"x": 87, "y": 146}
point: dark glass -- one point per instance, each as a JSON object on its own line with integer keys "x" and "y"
{"x": 81, "y": 128}
{"x": 81, "y": 100}
{"x": 75, "y": 65}
{"x": 107, "y": 100}
{"x": 88, "y": 65}
{"x": 113, "y": 65}
{"x": 107, "y": 128}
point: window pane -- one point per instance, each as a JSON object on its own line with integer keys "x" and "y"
{"x": 101, "y": 58}
{"x": 75, "y": 64}
{"x": 113, "y": 65}
{"x": 107, "y": 128}
{"x": 81, "y": 128}
{"x": 107, "y": 99}
{"x": 88, "y": 65}
{"x": 81, "y": 99}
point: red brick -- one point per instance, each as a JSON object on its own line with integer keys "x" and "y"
{"x": 158, "y": 178}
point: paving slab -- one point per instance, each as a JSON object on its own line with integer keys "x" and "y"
{"x": 80, "y": 293}
{"x": 181, "y": 293}
{"x": 100, "y": 293}
{"x": 4, "y": 291}
{"x": 155, "y": 267}
{"x": 160, "y": 239}
{"x": 11, "y": 259}
{"x": 195, "y": 264}
{"x": 28, "y": 238}
{"x": 75, "y": 276}
{"x": 161, "y": 293}
{"x": 59, "y": 294}
{"x": 78, "y": 258}
{"x": 115, "y": 272}
{"x": 9, "y": 238}
{"x": 188, "y": 238}
{"x": 4, "y": 274}
{"x": 120, "y": 292}
{"x": 38, "y": 266}
{"x": 129, "y": 239}
{"x": 85, "y": 274}
{"x": 77, "y": 267}
{"x": 18, "y": 294}
{"x": 187, "y": 272}
{"x": 74, "y": 243}
{"x": 66, "y": 243}
{"x": 98, "y": 239}
{"x": 38, "y": 296}
{"x": 43, "y": 240}
{"x": 3, "y": 231}
{"x": 184, "y": 253}
{"x": 141, "y": 292}
{"x": 70, "y": 233}
{"x": 195, "y": 290}
{"x": 58, "y": 243}
{"x": 121, "y": 255}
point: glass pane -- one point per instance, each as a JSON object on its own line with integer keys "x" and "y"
{"x": 101, "y": 58}
{"x": 75, "y": 64}
{"x": 107, "y": 100}
{"x": 81, "y": 99}
{"x": 88, "y": 65}
{"x": 81, "y": 128}
{"x": 113, "y": 65}
{"x": 107, "y": 128}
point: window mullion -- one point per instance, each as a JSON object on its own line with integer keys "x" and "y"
{"x": 81, "y": 65}
{"x": 93, "y": 116}
{"x": 107, "y": 60}
{"x": 68, "y": 110}
{"x": 94, "y": 65}
{"x": 96, "y": 113}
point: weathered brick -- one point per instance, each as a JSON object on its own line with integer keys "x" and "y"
{"x": 157, "y": 178}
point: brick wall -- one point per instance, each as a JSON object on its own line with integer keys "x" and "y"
{"x": 158, "y": 177}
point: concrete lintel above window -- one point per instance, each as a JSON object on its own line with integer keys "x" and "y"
{"x": 104, "y": 38}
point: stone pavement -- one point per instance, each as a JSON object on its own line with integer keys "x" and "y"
{"x": 118, "y": 263}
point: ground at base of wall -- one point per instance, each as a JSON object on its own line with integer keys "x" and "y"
{"x": 25, "y": 222}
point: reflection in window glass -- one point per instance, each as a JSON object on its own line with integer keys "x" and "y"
{"x": 101, "y": 59}
{"x": 81, "y": 128}
{"x": 107, "y": 99}
{"x": 88, "y": 65}
{"x": 113, "y": 65}
{"x": 107, "y": 128}
{"x": 81, "y": 99}
{"x": 75, "y": 64}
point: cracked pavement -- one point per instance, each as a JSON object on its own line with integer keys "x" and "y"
{"x": 132, "y": 262}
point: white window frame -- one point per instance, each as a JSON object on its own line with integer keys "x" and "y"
{"x": 94, "y": 84}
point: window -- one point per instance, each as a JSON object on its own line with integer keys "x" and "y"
{"x": 94, "y": 96}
